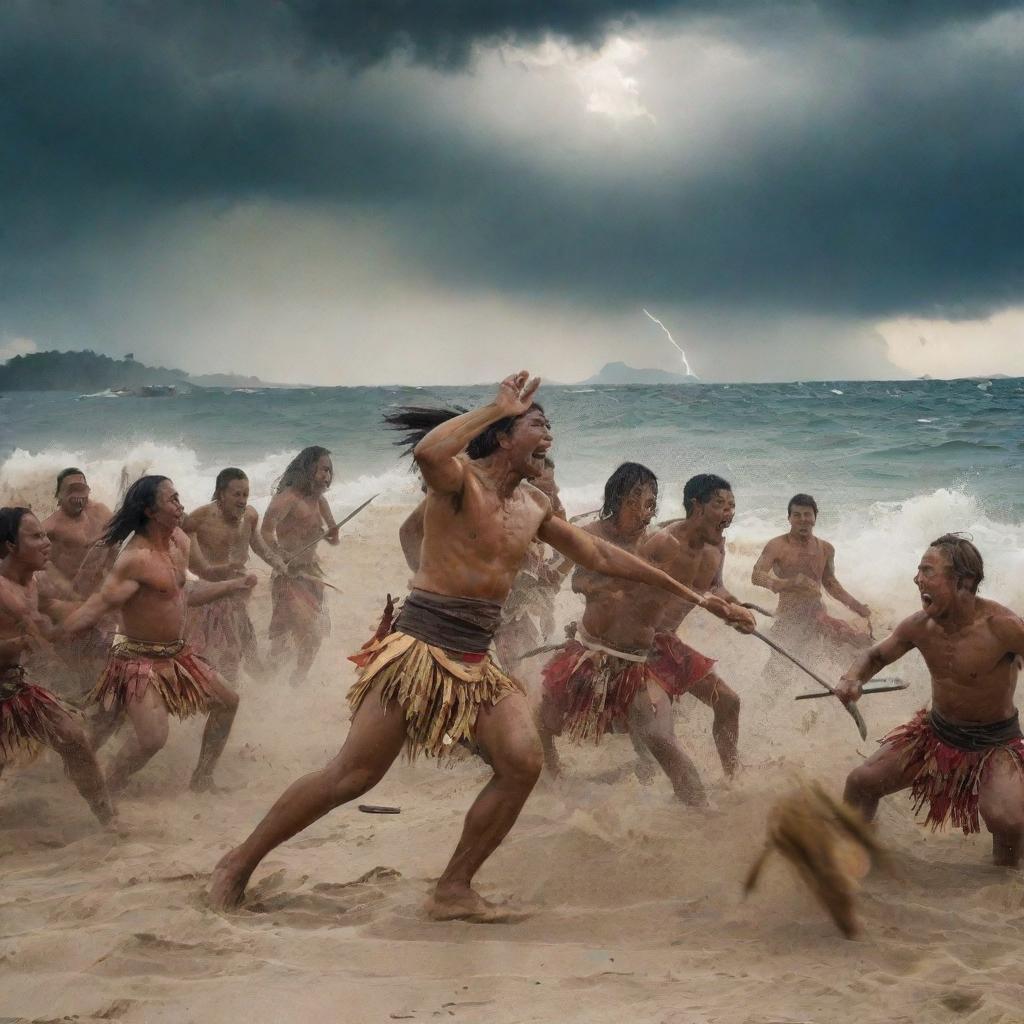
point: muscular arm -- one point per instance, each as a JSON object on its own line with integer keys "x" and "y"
{"x": 874, "y": 659}
{"x": 279, "y": 507}
{"x": 437, "y": 454}
{"x": 410, "y": 536}
{"x": 118, "y": 588}
{"x": 833, "y": 587}
{"x": 601, "y": 557}
{"x": 259, "y": 546}
{"x": 1010, "y": 629}
{"x": 762, "y": 573}
{"x": 197, "y": 561}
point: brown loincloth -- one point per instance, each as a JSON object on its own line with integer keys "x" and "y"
{"x": 434, "y": 664}
{"x": 298, "y": 606}
{"x": 28, "y": 717}
{"x": 948, "y": 760}
{"x": 222, "y": 632}
{"x": 185, "y": 681}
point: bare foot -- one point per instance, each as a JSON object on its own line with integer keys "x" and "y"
{"x": 202, "y": 782}
{"x": 467, "y": 905}
{"x": 227, "y": 883}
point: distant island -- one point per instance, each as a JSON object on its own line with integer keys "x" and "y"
{"x": 612, "y": 374}
{"x": 90, "y": 371}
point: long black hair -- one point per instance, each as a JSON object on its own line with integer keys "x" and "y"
{"x": 10, "y": 523}
{"x": 299, "y": 472}
{"x": 416, "y": 421}
{"x": 621, "y": 484}
{"x": 130, "y": 515}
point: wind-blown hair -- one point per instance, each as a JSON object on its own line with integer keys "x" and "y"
{"x": 701, "y": 489}
{"x": 417, "y": 421}
{"x": 225, "y": 477}
{"x": 621, "y": 484}
{"x": 10, "y": 523}
{"x": 299, "y": 472}
{"x": 63, "y": 475}
{"x": 965, "y": 561}
{"x": 130, "y": 516}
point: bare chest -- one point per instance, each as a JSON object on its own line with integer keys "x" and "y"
{"x": 796, "y": 561}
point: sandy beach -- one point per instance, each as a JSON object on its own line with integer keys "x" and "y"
{"x": 637, "y": 906}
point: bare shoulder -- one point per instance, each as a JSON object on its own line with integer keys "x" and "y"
{"x": 52, "y": 521}
{"x": 252, "y": 517}
{"x": 537, "y": 497}
{"x": 133, "y": 558}
{"x": 195, "y": 519}
{"x": 660, "y": 545}
{"x": 100, "y": 511}
{"x": 775, "y": 545}
{"x": 828, "y": 548}
{"x": 283, "y": 500}
{"x": 180, "y": 539}
{"x": 1005, "y": 623}
{"x": 913, "y": 627}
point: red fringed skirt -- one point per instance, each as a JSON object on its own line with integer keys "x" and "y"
{"x": 946, "y": 778}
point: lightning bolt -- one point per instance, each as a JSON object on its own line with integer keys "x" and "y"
{"x": 668, "y": 334}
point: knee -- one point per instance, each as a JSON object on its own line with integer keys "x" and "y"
{"x": 727, "y": 705}
{"x": 229, "y": 700}
{"x": 862, "y": 782}
{"x": 1002, "y": 818}
{"x": 71, "y": 738}
{"x": 151, "y": 741}
{"x": 524, "y": 766}
{"x": 346, "y": 783}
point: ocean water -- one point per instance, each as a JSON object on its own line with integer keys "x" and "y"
{"x": 891, "y": 464}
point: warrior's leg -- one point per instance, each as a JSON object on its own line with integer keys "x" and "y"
{"x": 507, "y": 733}
{"x": 725, "y": 703}
{"x": 149, "y": 719}
{"x": 215, "y": 735}
{"x": 1001, "y": 805}
{"x": 374, "y": 740}
{"x": 654, "y": 727}
{"x": 881, "y": 774}
{"x": 71, "y": 743}
{"x": 549, "y": 725}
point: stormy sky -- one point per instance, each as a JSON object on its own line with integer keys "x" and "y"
{"x": 439, "y": 192}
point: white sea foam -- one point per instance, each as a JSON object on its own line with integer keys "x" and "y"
{"x": 877, "y": 552}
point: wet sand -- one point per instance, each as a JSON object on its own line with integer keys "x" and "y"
{"x": 638, "y": 914}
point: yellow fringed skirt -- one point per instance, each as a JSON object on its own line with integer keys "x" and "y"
{"x": 440, "y": 691}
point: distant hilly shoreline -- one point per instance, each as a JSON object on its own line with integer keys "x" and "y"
{"x": 89, "y": 371}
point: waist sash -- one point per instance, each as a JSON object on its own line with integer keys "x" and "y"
{"x": 973, "y": 737}
{"x": 463, "y": 624}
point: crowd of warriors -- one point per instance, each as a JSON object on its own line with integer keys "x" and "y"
{"x": 103, "y": 601}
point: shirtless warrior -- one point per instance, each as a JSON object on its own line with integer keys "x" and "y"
{"x": 151, "y": 673}
{"x": 30, "y": 716}
{"x": 963, "y": 757}
{"x": 798, "y": 566}
{"x": 297, "y": 517}
{"x": 78, "y": 563}
{"x": 223, "y": 532}
{"x": 692, "y": 551}
{"x": 429, "y": 684}
{"x": 77, "y": 524}
{"x": 610, "y": 673}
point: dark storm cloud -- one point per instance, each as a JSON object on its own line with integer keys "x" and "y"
{"x": 443, "y": 34}
{"x": 901, "y": 195}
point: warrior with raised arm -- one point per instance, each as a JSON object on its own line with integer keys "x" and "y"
{"x": 297, "y": 517}
{"x": 429, "y": 684}
{"x": 963, "y": 757}
{"x": 151, "y": 673}
{"x": 224, "y": 532}
{"x": 610, "y": 673}
{"x": 30, "y": 716}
